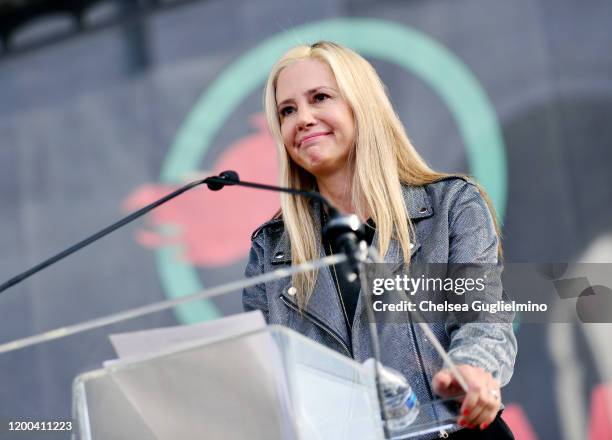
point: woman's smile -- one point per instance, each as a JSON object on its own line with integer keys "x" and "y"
{"x": 312, "y": 139}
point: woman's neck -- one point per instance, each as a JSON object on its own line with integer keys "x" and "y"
{"x": 337, "y": 189}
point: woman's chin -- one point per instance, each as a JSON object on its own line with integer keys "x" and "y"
{"x": 318, "y": 162}
{"x": 315, "y": 159}
{"x": 323, "y": 166}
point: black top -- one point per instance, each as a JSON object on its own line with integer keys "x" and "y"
{"x": 347, "y": 290}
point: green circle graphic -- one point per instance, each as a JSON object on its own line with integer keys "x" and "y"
{"x": 414, "y": 51}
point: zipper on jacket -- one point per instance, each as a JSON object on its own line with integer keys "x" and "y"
{"x": 319, "y": 324}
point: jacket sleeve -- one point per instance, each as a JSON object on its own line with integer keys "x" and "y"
{"x": 254, "y": 297}
{"x": 472, "y": 239}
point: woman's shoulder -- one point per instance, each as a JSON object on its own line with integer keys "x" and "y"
{"x": 453, "y": 182}
{"x": 270, "y": 239}
{"x": 442, "y": 195}
{"x": 451, "y": 189}
{"x": 273, "y": 226}
{"x": 459, "y": 210}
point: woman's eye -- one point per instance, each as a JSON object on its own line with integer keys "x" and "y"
{"x": 321, "y": 97}
{"x": 286, "y": 111}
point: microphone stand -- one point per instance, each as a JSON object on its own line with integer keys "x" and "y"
{"x": 214, "y": 183}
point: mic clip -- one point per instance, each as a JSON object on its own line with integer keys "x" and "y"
{"x": 226, "y": 178}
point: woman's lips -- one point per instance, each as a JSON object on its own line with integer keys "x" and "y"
{"x": 311, "y": 138}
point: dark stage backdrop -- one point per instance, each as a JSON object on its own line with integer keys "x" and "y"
{"x": 519, "y": 94}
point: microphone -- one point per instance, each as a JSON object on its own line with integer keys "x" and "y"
{"x": 348, "y": 234}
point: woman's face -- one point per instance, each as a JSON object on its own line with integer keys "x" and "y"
{"x": 316, "y": 123}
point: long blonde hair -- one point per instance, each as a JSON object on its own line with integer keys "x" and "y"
{"x": 384, "y": 159}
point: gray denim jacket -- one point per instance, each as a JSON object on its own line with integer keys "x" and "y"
{"x": 452, "y": 225}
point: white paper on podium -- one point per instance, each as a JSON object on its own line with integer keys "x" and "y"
{"x": 146, "y": 343}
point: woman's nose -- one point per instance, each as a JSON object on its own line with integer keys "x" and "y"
{"x": 305, "y": 117}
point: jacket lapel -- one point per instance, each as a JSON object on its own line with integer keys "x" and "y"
{"x": 324, "y": 303}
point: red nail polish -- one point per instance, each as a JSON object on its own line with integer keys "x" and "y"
{"x": 466, "y": 412}
{"x": 484, "y": 426}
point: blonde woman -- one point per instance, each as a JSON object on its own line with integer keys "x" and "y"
{"x": 337, "y": 133}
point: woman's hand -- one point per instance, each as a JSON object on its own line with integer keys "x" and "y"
{"x": 483, "y": 398}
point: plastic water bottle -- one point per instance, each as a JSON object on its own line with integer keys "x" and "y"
{"x": 400, "y": 404}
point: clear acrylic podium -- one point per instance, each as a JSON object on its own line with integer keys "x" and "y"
{"x": 271, "y": 383}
